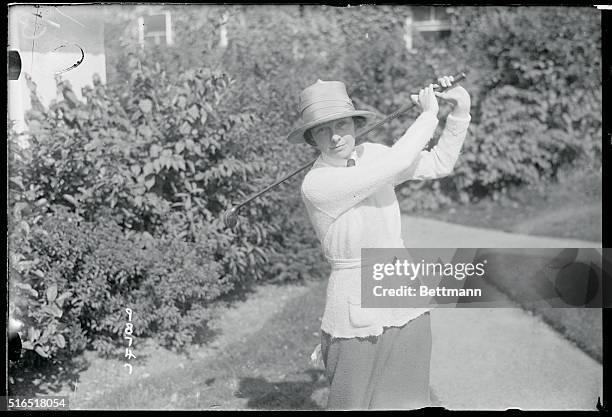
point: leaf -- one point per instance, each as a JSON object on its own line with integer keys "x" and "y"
{"x": 61, "y": 342}
{"x": 185, "y": 128}
{"x": 60, "y": 300}
{"x": 24, "y": 225}
{"x": 145, "y": 131}
{"x": 135, "y": 169}
{"x": 92, "y": 145}
{"x": 56, "y": 311}
{"x": 41, "y": 352}
{"x": 162, "y": 161}
{"x": 139, "y": 190}
{"x": 18, "y": 207}
{"x": 51, "y": 293}
{"x": 207, "y": 108}
{"x": 154, "y": 150}
{"x": 17, "y": 180}
{"x": 150, "y": 181}
{"x": 33, "y": 334}
{"x": 179, "y": 147}
{"x": 71, "y": 200}
{"x": 191, "y": 166}
{"x": 38, "y": 273}
{"x": 145, "y": 105}
{"x": 28, "y": 288}
{"x": 194, "y": 111}
{"x": 148, "y": 169}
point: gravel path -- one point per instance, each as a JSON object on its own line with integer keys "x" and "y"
{"x": 499, "y": 358}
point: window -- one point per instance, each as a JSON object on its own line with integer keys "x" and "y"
{"x": 430, "y": 18}
{"x": 430, "y": 21}
{"x": 421, "y": 13}
{"x": 155, "y": 28}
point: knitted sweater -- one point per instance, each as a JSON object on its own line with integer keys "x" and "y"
{"x": 355, "y": 207}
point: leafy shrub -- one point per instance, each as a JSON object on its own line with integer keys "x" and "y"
{"x": 539, "y": 100}
{"x": 87, "y": 274}
{"x": 150, "y": 165}
{"x": 534, "y": 74}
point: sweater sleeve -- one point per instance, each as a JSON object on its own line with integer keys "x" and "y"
{"x": 334, "y": 190}
{"x": 441, "y": 159}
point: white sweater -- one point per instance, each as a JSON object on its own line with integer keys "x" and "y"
{"x": 355, "y": 207}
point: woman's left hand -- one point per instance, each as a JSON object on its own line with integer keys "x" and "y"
{"x": 456, "y": 95}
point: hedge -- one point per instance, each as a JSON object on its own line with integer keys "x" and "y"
{"x": 117, "y": 203}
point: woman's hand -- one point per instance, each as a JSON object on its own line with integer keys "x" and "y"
{"x": 427, "y": 100}
{"x": 456, "y": 95}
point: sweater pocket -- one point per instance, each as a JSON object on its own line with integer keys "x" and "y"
{"x": 359, "y": 316}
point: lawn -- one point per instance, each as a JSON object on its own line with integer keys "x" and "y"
{"x": 570, "y": 208}
{"x": 258, "y": 358}
{"x": 526, "y": 278}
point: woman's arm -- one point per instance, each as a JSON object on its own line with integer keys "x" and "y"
{"x": 336, "y": 189}
{"x": 441, "y": 159}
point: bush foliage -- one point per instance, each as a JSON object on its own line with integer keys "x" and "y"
{"x": 117, "y": 200}
{"x": 535, "y": 81}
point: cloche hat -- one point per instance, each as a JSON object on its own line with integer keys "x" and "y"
{"x": 323, "y": 102}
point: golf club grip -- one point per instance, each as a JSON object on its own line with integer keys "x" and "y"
{"x": 456, "y": 78}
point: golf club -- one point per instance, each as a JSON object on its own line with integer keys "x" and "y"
{"x": 230, "y": 216}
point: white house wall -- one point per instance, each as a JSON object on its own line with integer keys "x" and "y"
{"x": 42, "y": 56}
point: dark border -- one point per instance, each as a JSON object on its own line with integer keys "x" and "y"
{"x": 606, "y": 21}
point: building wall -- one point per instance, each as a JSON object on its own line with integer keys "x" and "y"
{"x": 47, "y": 38}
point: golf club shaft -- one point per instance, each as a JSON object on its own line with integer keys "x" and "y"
{"x": 456, "y": 78}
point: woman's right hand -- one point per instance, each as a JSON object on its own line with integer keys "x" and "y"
{"x": 427, "y": 100}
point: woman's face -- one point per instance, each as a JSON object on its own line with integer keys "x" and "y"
{"x": 336, "y": 138}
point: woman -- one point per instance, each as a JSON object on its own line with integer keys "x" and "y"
{"x": 374, "y": 358}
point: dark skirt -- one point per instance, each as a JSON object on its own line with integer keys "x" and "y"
{"x": 389, "y": 371}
